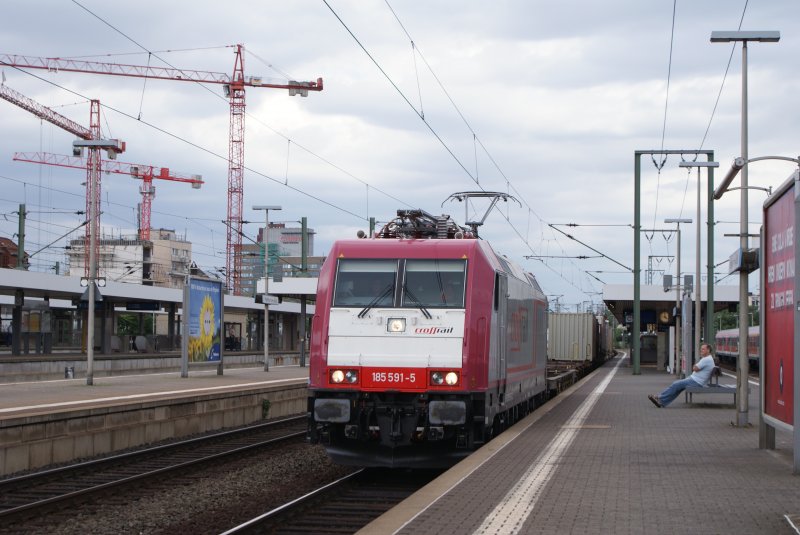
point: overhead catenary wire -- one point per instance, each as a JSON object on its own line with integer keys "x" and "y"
{"x": 153, "y": 54}
{"x": 278, "y": 181}
{"x": 525, "y": 231}
{"x": 199, "y": 147}
{"x": 714, "y": 109}
{"x": 711, "y": 119}
{"x": 211, "y": 152}
{"x": 659, "y": 166}
{"x": 197, "y": 248}
{"x": 420, "y": 115}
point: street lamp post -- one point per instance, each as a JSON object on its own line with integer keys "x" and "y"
{"x": 95, "y": 145}
{"x": 266, "y": 278}
{"x": 698, "y": 296}
{"x": 678, "y": 221}
{"x": 743, "y": 366}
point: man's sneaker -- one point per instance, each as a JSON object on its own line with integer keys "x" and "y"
{"x": 655, "y": 401}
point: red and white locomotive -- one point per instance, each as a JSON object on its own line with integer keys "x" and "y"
{"x": 425, "y": 343}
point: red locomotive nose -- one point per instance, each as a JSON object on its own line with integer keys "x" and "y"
{"x": 422, "y": 349}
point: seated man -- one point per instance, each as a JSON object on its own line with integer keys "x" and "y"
{"x": 702, "y": 373}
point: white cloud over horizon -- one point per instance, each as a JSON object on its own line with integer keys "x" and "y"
{"x": 559, "y": 94}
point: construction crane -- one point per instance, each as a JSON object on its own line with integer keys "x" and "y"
{"x": 88, "y": 137}
{"x": 233, "y": 88}
{"x": 139, "y": 171}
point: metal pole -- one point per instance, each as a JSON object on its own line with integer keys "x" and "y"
{"x": 21, "y": 238}
{"x": 185, "y": 328}
{"x": 698, "y": 295}
{"x": 676, "y": 364}
{"x": 687, "y": 337}
{"x": 94, "y": 155}
{"x": 710, "y": 253}
{"x": 743, "y": 364}
{"x": 637, "y": 228}
{"x": 304, "y": 269}
{"x": 265, "y": 241}
{"x": 266, "y": 289}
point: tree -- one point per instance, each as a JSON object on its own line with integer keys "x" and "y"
{"x": 730, "y": 319}
{"x": 128, "y": 324}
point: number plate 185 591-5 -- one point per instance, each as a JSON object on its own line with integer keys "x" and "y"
{"x": 393, "y": 378}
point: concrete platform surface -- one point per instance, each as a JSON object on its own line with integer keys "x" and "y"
{"x": 600, "y": 458}
{"x": 30, "y": 398}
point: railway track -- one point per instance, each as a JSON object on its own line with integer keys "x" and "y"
{"x": 731, "y": 368}
{"x": 344, "y": 506}
{"x": 31, "y": 495}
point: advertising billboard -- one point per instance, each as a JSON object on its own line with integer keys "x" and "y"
{"x": 202, "y": 320}
{"x": 778, "y": 305}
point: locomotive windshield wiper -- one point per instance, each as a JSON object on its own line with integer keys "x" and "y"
{"x": 417, "y": 302}
{"x": 375, "y": 301}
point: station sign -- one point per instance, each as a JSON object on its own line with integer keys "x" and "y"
{"x": 269, "y": 299}
{"x": 144, "y": 306}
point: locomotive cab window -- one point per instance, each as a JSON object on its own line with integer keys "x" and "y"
{"x": 365, "y": 282}
{"x": 434, "y": 283}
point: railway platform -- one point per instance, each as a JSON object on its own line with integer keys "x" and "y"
{"x": 601, "y": 458}
{"x": 47, "y": 422}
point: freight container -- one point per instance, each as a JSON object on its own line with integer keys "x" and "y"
{"x": 606, "y": 345}
{"x": 572, "y": 336}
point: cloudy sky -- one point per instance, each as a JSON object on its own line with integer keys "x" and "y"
{"x": 546, "y": 101}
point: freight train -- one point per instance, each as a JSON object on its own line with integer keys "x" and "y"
{"x": 578, "y": 338}
{"x": 425, "y": 343}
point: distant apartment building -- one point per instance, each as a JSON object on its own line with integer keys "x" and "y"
{"x": 162, "y": 261}
{"x": 284, "y": 250}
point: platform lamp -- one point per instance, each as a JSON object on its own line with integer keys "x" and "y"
{"x": 91, "y": 280}
{"x": 678, "y": 222}
{"x": 266, "y": 297}
{"x": 743, "y": 366}
{"x": 698, "y": 297}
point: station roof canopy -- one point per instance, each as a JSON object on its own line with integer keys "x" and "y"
{"x": 654, "y": 300}
{"x": 68, "y": 289}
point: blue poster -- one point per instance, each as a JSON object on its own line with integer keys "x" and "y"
{"x": 205, "y": 305}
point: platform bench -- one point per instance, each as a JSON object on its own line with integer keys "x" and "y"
{"x": 713, "y": 387}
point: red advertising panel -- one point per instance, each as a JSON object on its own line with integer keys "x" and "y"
{"x": 778, "y": 301}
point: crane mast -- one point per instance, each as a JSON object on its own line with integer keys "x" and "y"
{"x": 234, "y": 87}
{"x": 233, "y": 227}
{"x": 91, "y": 138}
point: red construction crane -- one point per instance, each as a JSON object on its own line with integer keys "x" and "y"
{"x": 91, "y": 137}
{"x": 144, "y": 172}
{"x": 234, "y": 88}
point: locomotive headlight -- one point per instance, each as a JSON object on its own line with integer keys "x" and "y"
{"x": 441, "y": 378}
{"x": 337, "y": 376}
{"x": 344, "y": 376}
{"x": 396, "y": 325}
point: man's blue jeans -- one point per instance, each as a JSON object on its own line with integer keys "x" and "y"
{"x": 673, "y": 391}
